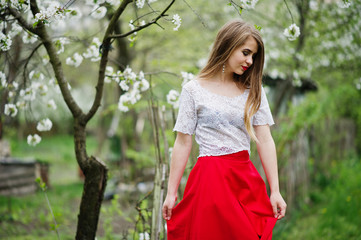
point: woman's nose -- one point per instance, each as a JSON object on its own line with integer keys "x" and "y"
{"x": 249, "y": 61}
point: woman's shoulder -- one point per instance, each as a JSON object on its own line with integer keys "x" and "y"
{"x": 190, "y": 86}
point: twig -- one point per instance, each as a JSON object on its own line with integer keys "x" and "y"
{"x": 289, "y": 11}
{"x": 195, "y": 12}
{"x": 154, "y": 21}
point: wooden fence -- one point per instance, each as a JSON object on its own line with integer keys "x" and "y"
{"x": 18, "y": 177}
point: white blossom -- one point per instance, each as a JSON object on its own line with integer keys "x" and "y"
{"x": 129, "y": 75}
{"x": 173, "y": 98}
{"x": 22, "y": 104}
{"x": 75, "y": 13}
{"x": 123, "y": 85}
{"x": 125, "y": 98}
{"x": 248, "y": 4}
{"x": 176, "y": 21}
{"x": 33, "y": 140}
{"x": 144, "y": 236}
{"x": 29, "y": 38}
{"x": 75, "y": 60}
{"x": 292, "y": 32}
{"x": 3, "y": 81}
{"x": 51, "y": 104}
{"x": 109, "y": 72}
{"x": 44, "y": 125}
{"x": 10, "y": 110}
{"x": 140, "y": 3}
{"x": 344, "y": 4}
{"x": 28, "y": 94}
{"x": 53, "y": 12}
{"x": 93, "y": 50}
{"x": 59, "y": 44}
{"x": 186, "y": 77}
{"x": 5, "y": 42}
{"x": 36, "y": 76}
{"x": 98, "y": 12}
{"x": 42, "y": 88}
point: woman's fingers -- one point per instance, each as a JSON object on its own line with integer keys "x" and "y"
{"x": 169, "y": 213}
{"x": 282, "y": 211}
{"x": 166, "y": 212}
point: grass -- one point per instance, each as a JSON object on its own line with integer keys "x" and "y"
{"x": 28, "y": 217}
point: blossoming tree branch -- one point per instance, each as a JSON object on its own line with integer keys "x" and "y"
{"x": 34, "y": 20}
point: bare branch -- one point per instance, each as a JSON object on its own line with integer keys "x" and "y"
{"x": 105, "y": 47}
{"x": 154, "y": 21}
{"x": 28, "y": 60}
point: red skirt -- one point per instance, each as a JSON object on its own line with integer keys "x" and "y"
{"x": 225, "y": 198}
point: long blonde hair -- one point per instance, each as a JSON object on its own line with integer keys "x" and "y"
{"x": 231, "y": 36}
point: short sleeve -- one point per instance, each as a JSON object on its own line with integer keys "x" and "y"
{"x": 263, "y": 116}
{"x": 187, "y": 115}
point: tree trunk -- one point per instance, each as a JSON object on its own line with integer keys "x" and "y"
{"x": 95, "y": 173}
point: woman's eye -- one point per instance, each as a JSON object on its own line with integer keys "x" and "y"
{"x": 245, "y": 53}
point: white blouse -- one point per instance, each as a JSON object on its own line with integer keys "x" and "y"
{"x": 216, "y": 120}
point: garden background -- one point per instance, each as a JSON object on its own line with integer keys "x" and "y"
{"x": 120, "y": 71}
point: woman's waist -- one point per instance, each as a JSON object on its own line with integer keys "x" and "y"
{"x": 239, "y": 155}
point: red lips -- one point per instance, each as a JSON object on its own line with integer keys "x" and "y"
{"x": 244, "y": 68}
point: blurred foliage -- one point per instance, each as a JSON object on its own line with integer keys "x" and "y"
{"x": 337, "y": 213}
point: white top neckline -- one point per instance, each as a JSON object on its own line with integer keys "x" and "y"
{"x": 219, "y": 95}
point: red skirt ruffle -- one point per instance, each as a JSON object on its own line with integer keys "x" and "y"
{"x": 225, "y": 198}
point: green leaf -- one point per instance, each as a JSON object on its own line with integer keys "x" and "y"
{"x": 258, "y": 27}
{"x": 240, "y": 10}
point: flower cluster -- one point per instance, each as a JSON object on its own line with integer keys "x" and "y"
{"x": 292, "y": 32}
{"x": 33, "y": 140}
{"x": 173, "y": 98}
{"x": 59, "y": 44}
{"x": 10, "y": 110}
{"x": 344, "y": 4}
{"x": 38, "y": 87}
{"x": 140, "y": 3}
{"x": 53, "y": 12}
{"x": 5, "y": 42}
{"x": 44, "y": 125}
{"x": 186, "y": 77}
{"x": 3, "y": 82}
{"x": 144, "y": 236}
{"x": 29, "y": 38}
{"x": 19, "y": 5}
{"x": 177, "y": 21}
{"x": 93, "y": 50}
{"x": 248, "y": 4}
{"x": 132, "y": 84}
{"x": 75, "y": 60}
{"x": 98, "y": 12}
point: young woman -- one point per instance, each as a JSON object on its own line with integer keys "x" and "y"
{"x": 226, "y": 106}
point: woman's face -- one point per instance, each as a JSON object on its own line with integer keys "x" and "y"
{"x": 242, "y": 57}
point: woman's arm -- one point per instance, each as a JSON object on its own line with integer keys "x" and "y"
{"x": 267, "y": 153}
{"x": 181, "y": 150}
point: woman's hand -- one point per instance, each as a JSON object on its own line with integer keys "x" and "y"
{"x": 168, "y": 205}
{"x": 278, "y": 204}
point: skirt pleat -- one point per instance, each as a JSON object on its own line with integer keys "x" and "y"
{"x": 225, "y": 198}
